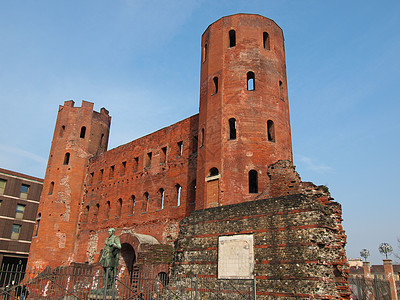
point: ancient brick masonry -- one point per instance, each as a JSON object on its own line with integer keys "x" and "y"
{"x": 225, "y": 171}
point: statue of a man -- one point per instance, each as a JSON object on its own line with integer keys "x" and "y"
{"x": 110, "y": 257}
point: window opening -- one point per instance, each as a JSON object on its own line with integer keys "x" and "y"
{"x": 253, "y": 182}
{"x": 161, "y": 193}
{"x": 266, "y": 40}
{"x": 133, "y": 204}
{"x": 101, "y": 140}
{"x": 51, "y": 188}
{"x": 108, "y": 208}
{"x": 180, "y": 148}
{"x": 101, "y": 174}
{"x": 111, "y": 174}
{"x": 232, "y": 38}
{"x": 19, "y": 212}
{"x": 91, "y": 175}
{"x": 83, "y": 132}
{"x": 2, "y": 186}
{"x": 24, "y": 191}
{"x": 271, "y": 131}
{"x": 250, "y": 81}
{"x": 15, "y": 231}
{"x": 62, "y": 129}
{"x": 281, "y": 90}
{"x": 163, "y": 155}
{"x": 119, "y": 207}
{"x": 205, "y": 50}
{"x": 215, "y": 80}
{"x": 178, "y": 194}
{"x": 66, "y": 158}
{"x": 135, "y": 163}
{"x": 213, "y": 172}
{"x": 202, "y": 137}
{"x": 145, "y": 206}
{"x": 232, "y": 129}
{"x": 36, "y": 229}
{"x": 148, "y": 161}
{"x": 123, "y": 168}
{"x": 96, "y": 212}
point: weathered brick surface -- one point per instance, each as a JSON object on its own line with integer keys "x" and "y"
{"x": 298, "y": 244}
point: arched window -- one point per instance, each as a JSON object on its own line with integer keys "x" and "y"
{"x": 213, "y": 172}
{"x": 83, "y": 132}
{"x": 133, "y": 204}
{"x": 271, "y": 131}
{"x": 119, "y": 207}
{"x": 108, "y": 208}
{"x": 36, "y": 229}
{"x": 66, "y": 158}
{"x": 101, "y": 140}
{"x": 250, "y": 81}
{"x": 96, "y": 212}
{"x": 51, "y": 188}
{"x": 161, "y": 196}
{"x": 202, "y": 137}
{"x": 145, "y": 206}
{"x": 178, "y": 194}
{"x": 62, "y": 130}
{"x": 205, "y": 50}
{"x": 253, "y": 182}
{"x": 281, "y": 90}
{"x": 215, "y": 80}
{"x": 232, "y": 38}
{"x": 266, "y": 40}
{"x": 232, "y": 129}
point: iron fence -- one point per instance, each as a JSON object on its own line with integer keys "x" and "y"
{"x": 363, "y": 288}
{"x": 84, "y": 282}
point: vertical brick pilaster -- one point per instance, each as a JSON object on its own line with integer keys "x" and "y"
{"x": 389, "y": 275}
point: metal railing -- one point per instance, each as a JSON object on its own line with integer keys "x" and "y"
{"x": 85, "y": 282}
{"x": 374, "y": 288}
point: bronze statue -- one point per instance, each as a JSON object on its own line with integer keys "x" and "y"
{"x": 110, "y": 257}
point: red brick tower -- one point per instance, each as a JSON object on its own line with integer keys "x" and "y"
{"x": 80, "y": 133}
{"x": 244, "y": 114}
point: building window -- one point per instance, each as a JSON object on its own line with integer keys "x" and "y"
{"x": 145, "y": 206}
{"x": 36, "y": 228}
{"x": 66, "y": 158}
{"x": 232, "y": 129}
{"x": 213, "y": 172}
{"x": 205, "y": 53}
{"x": 62, "y": 130}
{"x": 281, "y": 90}
{"x": 83, "y": 132}
{"x": 271, "y": 131}
{"x": 148, "y": 160}
{"x": 178, "y": 194}
{"x": 108, "y": 208}
{"x": 101, "y": 140}
{"x": 112, "y": 169}
{"x": 15, "y": 231}
{"x": 96, "y": 212}
{"x": 253, "y": 182}
{"x": 232, "y": 38}
{"x": 101, "y": 174}
{"x": 180, "y": 148}
{"x": 123, "y": 168}
{"x": 119, "y": 208}
{"x": 266, "y": 40}
{"x": 51, "y": 188}
{"x": 250, "y": 81}
{"x": 215, "y": 80}
{"x": 202, "y": 137}
{"x": 135, "y": 164}
{"x": 24, "y": 191}
{"x": 133, "y": 204}
{"x": 2, "y": 186}
{"x": 163, "y": 158}
{"x": 161, "y": 195}
{"x": 19, "y": 212}
{"x": 91, "y": 175}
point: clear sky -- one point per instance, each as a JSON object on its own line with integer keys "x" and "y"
{"x": 141, "y": 60}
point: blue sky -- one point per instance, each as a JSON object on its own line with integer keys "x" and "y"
{"x": 141, "y": 60}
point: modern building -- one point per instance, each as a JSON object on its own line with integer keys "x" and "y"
{"x": 19, "y": 202}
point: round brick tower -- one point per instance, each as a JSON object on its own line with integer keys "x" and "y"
{"x": 244, "y": 123}
{"x": 80, "y": 133}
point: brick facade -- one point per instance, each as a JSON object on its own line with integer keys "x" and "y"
{"x": 237, "y": 149}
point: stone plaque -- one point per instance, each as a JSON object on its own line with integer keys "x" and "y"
{"x": 235, "y": 257}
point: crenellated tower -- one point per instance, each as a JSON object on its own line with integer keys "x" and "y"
{"x": 80, "y": 133}
{"x": 244, "y": 123}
